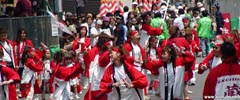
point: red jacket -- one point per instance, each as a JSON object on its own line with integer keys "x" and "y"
{"x": 13, "y": 53}
{"x": 223, "y": 80}
{"x": 19, "y": 50}
{"x": 10, "y": 75}
{"x": 129, "y": 49}
{"x": 75, "y": 45}
{"x": 139, "y": 80}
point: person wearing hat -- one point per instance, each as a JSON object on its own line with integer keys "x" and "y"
{"x": 106, "y": 27}
{"x": 134, "y": 7}
{"x": 223, "y": 81}
{"x": 119, "y": 32}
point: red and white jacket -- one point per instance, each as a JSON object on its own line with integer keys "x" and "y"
{"x": 139, "y": 81}
{"x": 13, "y": 53}
{"x": 7, "y": 74}
{"x": 223, "y": 81}
{"x": 129, "y": 48}
{"x": 157, "y": 67}
{"x": 19, "y": 48}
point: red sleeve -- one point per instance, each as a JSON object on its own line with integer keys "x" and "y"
{"x": 106, "y": 80}
{"x": 87, "y": 42}
{"x": 205, "y": 61}
{"x": 75, "y": 44}
{"x": 10, "y": 74}
{"x": 154, "y": 65}
{"x": 29, "y": 43}
{"x": 210, "y": 84}
{"x": 104, "y": 59}
{"x": 128, "y": 47}
{"x": 139, "y": 79}
{"x": 37, "y": 67}
{"x": 74, "y": 71}
{"x": 145, "y": 27}
{"x": 154, "y": 31}
{"x": 196, "y": 38}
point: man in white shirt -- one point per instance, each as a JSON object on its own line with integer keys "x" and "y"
{"x": 125, "y": 14}
{"x": 95, "y": 32}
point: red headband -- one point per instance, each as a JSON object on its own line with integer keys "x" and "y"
{"x": 186, "y": 20}
{"x": 134, "y": 32}
{"x": 107, "y": 43}
{"x": 30, "y": 50}
{"x": 115, "y": 50}
{"x": 47, "y": 50}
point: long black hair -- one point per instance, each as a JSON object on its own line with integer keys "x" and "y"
{"x": 25, "y": 54}
{"x": 19, "y": 34}
{"x": 102, "y": 39}
{"x": 170, "y": 50}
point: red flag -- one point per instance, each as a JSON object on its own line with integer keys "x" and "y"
{"x": 120, "y": 6}
{"x": 112, "y": 6}
{"x": 227, "y": 23}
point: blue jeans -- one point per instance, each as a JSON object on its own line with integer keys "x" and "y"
{"x": 204, "y": 43}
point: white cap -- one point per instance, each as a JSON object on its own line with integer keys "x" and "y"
{"x": 179, "y": 7}
{"x": 199, "y": 4}
{"x": 134, "y": 3}
{"x": 99, "y": 22}
{"x": 202, "y": 9}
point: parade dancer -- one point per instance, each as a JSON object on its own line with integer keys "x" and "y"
{"x": 8, "y": 80}
{"x": 62, "y": 75}
{"x": 223, "y": 81}
{"x": 182, "y": 48}
{"x": 171, "y": 70}
{"x": 32, "y": 66}
{"x": 213, "y": 58}
{"x": 121, "y": 81}
{"x": 8, "y": 49}
{"x": 134, "y": 50}
{"x": 94, "y": 67}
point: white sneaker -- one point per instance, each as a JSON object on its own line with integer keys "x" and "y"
{"x": 85, "y": 88}
{"x": 76, "y": 96}
{"x": 189, "y": 92}
{"x": 81, "y": 92}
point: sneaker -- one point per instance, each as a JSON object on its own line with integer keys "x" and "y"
{"x": 147, "y": 98}
{"x": 189, "y": 92}
{"x": 81, "y": 92}
{"x": 76, "y": 96}
{"x": 85, "y": 88}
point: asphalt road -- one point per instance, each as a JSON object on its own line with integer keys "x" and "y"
{"x": 196, "y": 90}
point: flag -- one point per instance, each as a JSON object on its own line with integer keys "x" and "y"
{"x": 112, "y": 6}
{"x": 60, "y": 25}
{"x": 146, "y": 6}
{"x": 227, "y": 23}
{"x": 103, "y": 10}
{"x": 120, "y": 6}
{"x": 235, "y": 23}
{"x": 140, "y": 3}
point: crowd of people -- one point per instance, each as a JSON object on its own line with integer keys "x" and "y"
{"x": 125, "y": 56}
